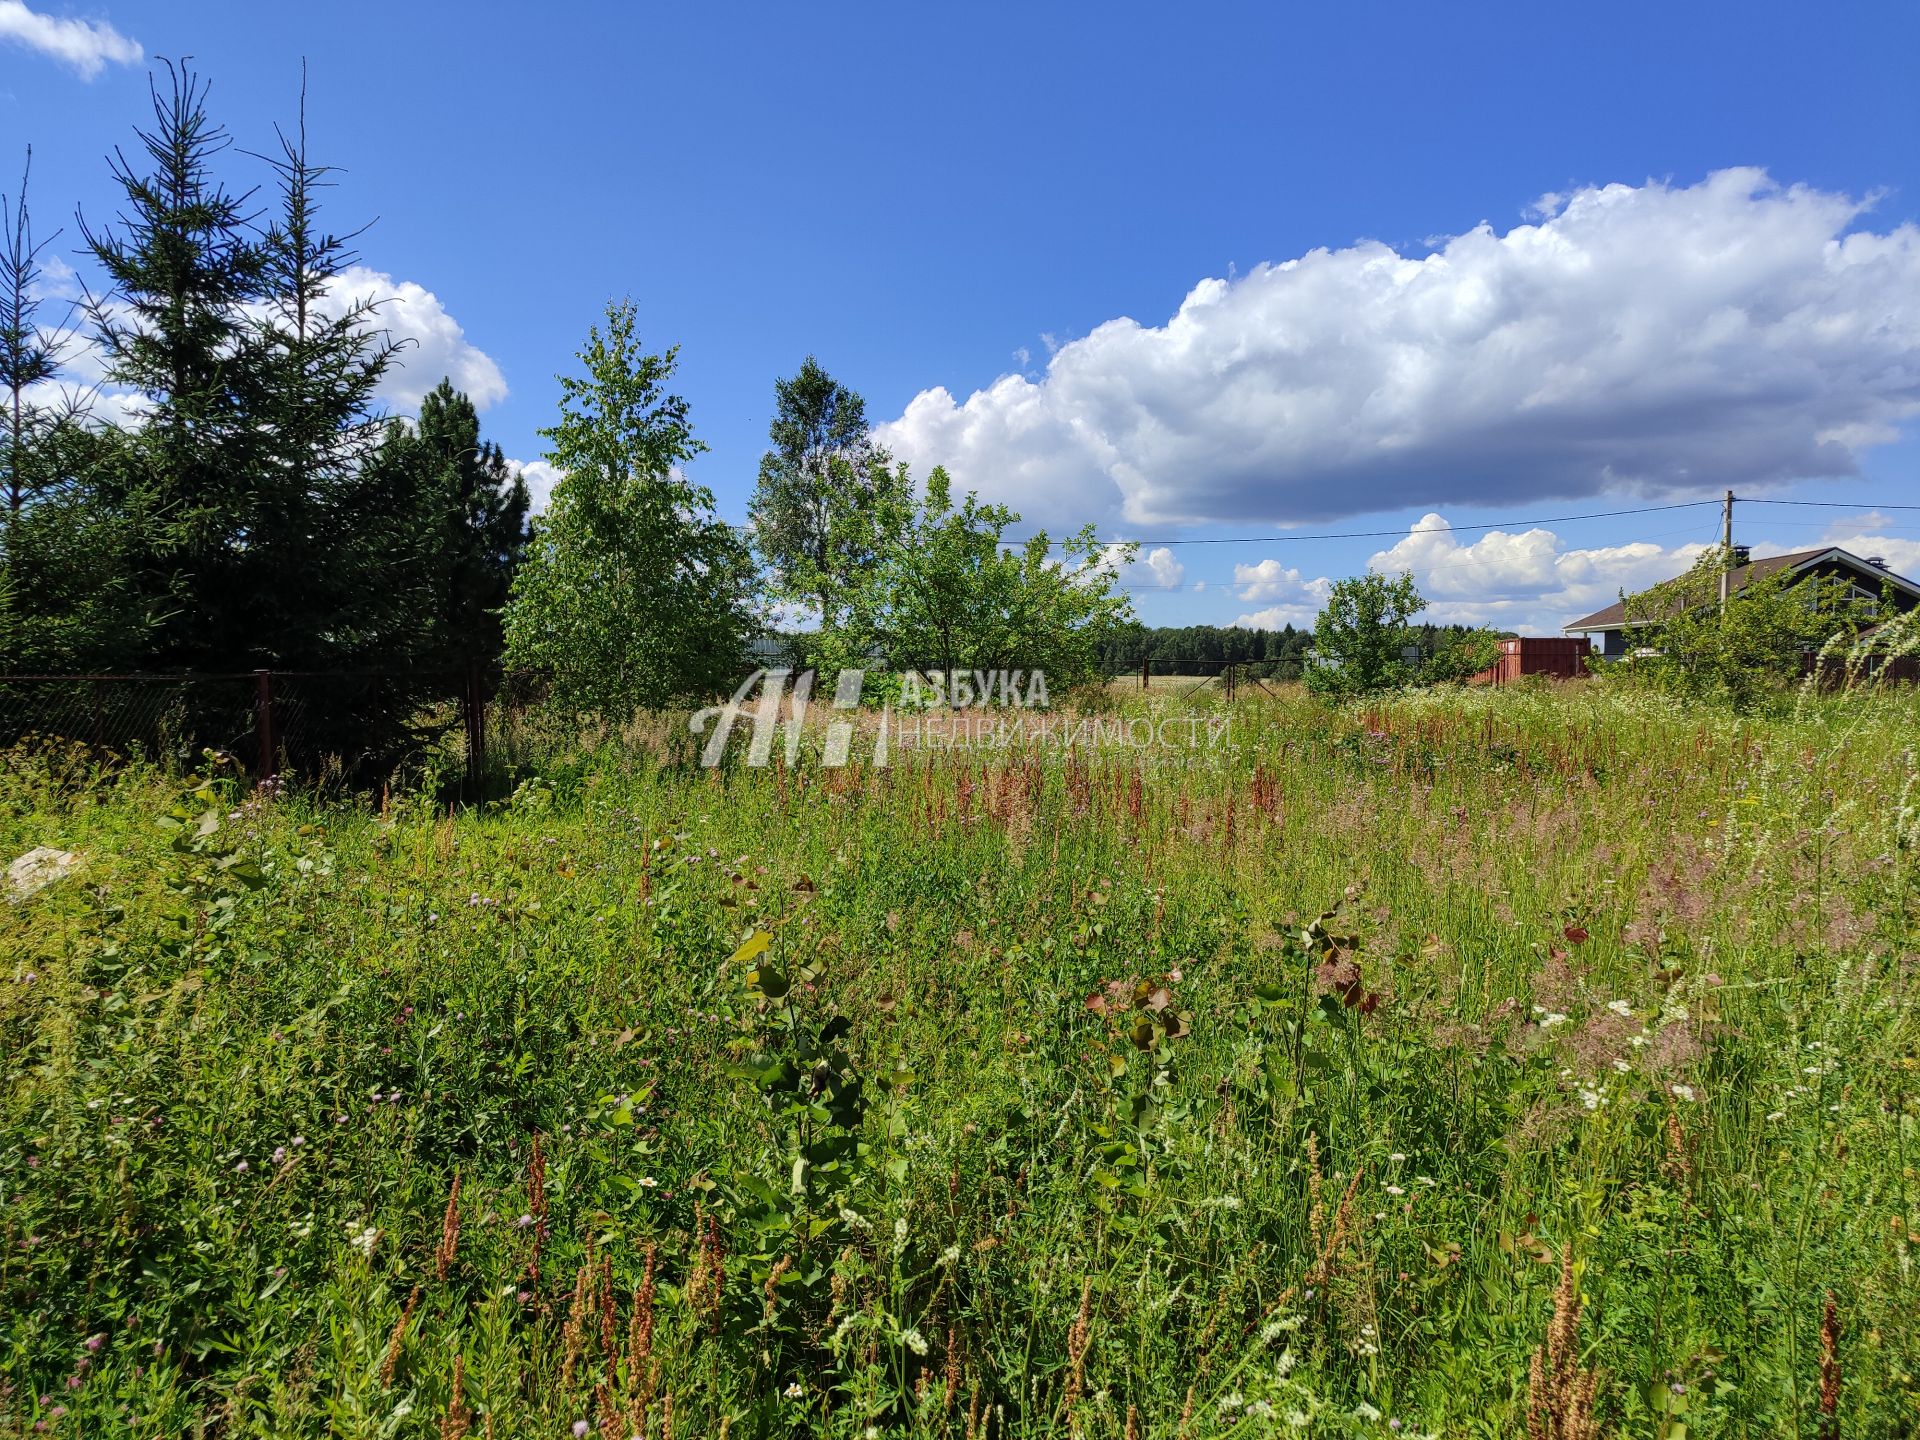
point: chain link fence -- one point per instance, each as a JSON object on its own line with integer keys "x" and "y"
{"x": 344, "y": 725}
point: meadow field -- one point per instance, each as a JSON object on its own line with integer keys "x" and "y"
{"x": 1476, "y": 1064}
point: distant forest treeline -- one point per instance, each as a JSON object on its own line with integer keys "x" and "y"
{"x": 1273, "y": 654}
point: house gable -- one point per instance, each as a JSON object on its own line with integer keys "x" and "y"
{"x": 1865, "y": 578}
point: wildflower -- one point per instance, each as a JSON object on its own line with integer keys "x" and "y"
{"x": 1396, "y": 1157}
{"x": 523, "y": 1222}
{"x": 1547, "y": 1022}
{"x": 1681, "y": 1092}
{"x": 279, "y": 1153}
{"x": 1622, "y": 1008}
{"x": 648, "y": 1181}
{"x": 1777, "y": 1115}
{"x": 794, "y": 1391}
{"x": 1591, "y": 1098}
{"x": 1395, "y": 1190}
{"x": 1622, "y": 1066}
{"x": 241, "y": 1168}
{"x": 298, "y": 1141}
{"x": 580, "y": 1428}
{"x": 914, "y": 1341}
{"x": 94, "y": 1342}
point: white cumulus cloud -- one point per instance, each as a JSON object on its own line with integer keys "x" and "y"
{"x": 1633, "y": 339}
{"x": 1270, "y": 580}
{"x": 1527, "y": 581}
{"x": 86, "y": 46}
{"x": 1158, "y": 569}
{"x": 541, "y": 477}
{"x": 433, "y": 344}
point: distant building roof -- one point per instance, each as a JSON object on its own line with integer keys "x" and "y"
{"x": 1614, "y": 617}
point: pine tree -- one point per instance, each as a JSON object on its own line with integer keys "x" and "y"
{"x": 476, "y": 505}
{"x": 823, "y": 494}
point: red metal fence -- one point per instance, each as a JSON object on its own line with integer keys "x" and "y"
{"x": 1562, "y": 659}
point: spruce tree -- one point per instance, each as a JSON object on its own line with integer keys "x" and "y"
{"x": 67, "y": 601}
{"x": 183, "y": 264}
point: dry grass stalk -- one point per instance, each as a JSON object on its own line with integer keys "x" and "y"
{"x": 640, "y": 1374}
{"x": 537, "y": 1207}
{"x": 1078, "y": 1337}
{"x": 707, "y": 1274}
{"x": 953, "y": 1369}
{"x": 771, "y": 1288}
{"x": 449, "y": 1233}
{"x": 579, "y": 1312}
{"x": 973, "y": 1415}
{"x": 394, "y": 1341}
{"x": 1133, "y": 1423}
{"x": 458, "y": 1418}
{"x": 1678, "y": 1164}
{"x": 1830, "y": 1369}
{"x": 1316, "y": 1205}
{"x": 1333, "y": 1239}
{"x": 1559, "y": 1391}
{"x": 609, "y": 1311}
{"x": 666, "y": 1416}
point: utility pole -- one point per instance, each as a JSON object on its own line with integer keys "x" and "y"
{"x": 1726, "y": 550}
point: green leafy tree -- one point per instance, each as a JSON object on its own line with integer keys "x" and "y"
{"x": 1360, "y": 638}
{"x": 954, "y": 595}
{"x": 827, "y": 502}
{"x": 1756, "y": 647}
{"x": 632, "y": 594}
{"x": 1458, "y": 653}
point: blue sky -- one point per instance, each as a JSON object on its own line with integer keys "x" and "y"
{"x": 942, "y": 201}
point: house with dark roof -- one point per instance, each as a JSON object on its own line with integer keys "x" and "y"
{"x": 1867, "y": 578}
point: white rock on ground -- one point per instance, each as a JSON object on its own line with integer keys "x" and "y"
{"x": 37, "y": 869}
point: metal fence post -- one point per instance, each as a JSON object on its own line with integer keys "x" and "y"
{"x": 1144, "y": 663}
{"x": 266, "y": 753}
{"x": 476, "y": 708}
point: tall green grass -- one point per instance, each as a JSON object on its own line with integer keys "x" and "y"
{"x": 1050, "y": 1100}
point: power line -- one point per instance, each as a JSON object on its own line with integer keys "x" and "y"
{"x": 1402, "y": 532}
{"x": 1212, "y": 582}
{"x": 1370, "y": 534}
{"x": 1829, "y": 504}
